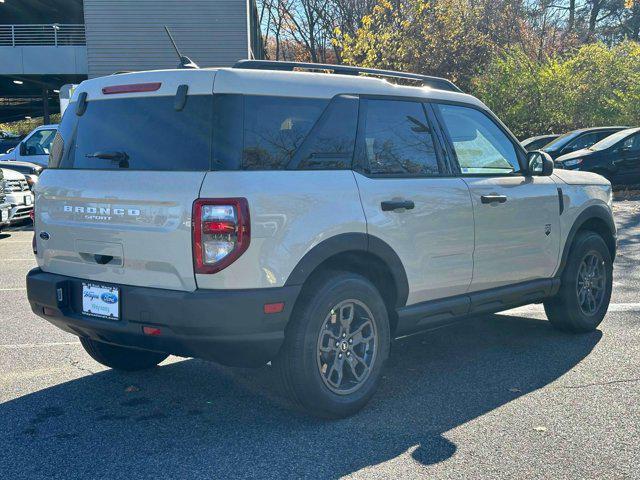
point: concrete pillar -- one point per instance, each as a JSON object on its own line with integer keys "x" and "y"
{"x": 45, "y": 105}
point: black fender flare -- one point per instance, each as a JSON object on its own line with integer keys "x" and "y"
{"x": 594, "y": 211}
{"x": 353, "y": 242}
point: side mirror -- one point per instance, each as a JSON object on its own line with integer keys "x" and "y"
{"x": 23, "y": 149}
{"x": 540, "y": 163}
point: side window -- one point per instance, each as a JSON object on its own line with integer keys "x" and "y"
{"x": 398, "y": 139}
{"x": 585, "y": 141}
{"x": 330, "y": 144}
{"x": 40, "y": 142}
{"x": 631, "y": 144}
{"x": 480, "y": 145}
{"x": 274, "y": 129}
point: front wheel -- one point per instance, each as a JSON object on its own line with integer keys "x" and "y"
{"x": 336, "y": 345}
{"x": 121, "y": 358}
{"x": 584, "y": 295}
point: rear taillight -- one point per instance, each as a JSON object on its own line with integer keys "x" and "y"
{"x": 221, "y": 232}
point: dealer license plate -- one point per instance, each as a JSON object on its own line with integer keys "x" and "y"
{"x": 101, "y": 301}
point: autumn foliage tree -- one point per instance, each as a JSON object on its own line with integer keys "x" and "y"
{"x": 449, "y": 38}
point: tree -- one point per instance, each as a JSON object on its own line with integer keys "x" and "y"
{"x": 593, "y": 85}
{"x": 449, "y": 38}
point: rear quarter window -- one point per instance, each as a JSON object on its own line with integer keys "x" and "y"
{"x": 149, "y": 130}
{"x": 275, "y": 128}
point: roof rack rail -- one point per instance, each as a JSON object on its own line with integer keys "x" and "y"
{"x": 425, "y": 80}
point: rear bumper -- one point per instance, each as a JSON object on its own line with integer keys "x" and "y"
{"x": 227, "y": 326}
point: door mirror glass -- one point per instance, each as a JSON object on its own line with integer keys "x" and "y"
{"x": 540, "y": 163}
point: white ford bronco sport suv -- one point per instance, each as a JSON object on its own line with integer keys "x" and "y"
{"x": 259, "y": 213}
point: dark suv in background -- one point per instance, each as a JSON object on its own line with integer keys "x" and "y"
{"x": 578, "y": 139}
{"x": 616, "y": 158}
{"x": 8, "y": 140}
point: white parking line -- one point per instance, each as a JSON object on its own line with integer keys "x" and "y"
{"x": 14, "y": 289}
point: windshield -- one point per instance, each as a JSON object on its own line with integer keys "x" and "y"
{"x": 561, "y": 141}
{"x": 612, "y": 140}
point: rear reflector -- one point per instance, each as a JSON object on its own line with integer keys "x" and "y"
{"x": 273, "y": 307}
{"x": 153, "y": 331}
{"x": 134, "y": 87}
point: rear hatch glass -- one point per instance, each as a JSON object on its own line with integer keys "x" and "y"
{"x": 145, "y": 133}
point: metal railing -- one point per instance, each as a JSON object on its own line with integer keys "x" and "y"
{"x": 53, "y": 34}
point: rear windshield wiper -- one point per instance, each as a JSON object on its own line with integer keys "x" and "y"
{"x": 121, "y": 157}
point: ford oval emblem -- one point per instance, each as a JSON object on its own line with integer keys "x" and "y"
{"x": 108, "y": 297}
{"x": 44, "y": 235}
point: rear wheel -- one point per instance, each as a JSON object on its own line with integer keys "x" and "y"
{"x": 335, "y": 346}
{"x": 121, "y": 358}
{"x": 584, "y": 296}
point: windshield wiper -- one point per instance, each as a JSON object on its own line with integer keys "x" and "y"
{"x": 121, "y": 157}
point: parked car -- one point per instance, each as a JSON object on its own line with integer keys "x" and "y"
{"x": 35, "y": 146}
{"x": 8, "y": 140}
{"x": 31, "y": 171}
{"x": 536, "y": 143}
{"x": 17, "y": 194}
{"x": 578, "y": 139}
{"x": 302, "y": 218}
{"x": 5, "y": 208}
{"x": 617, "y": 158}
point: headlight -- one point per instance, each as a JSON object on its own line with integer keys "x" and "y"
{"x": 572, "y": 163}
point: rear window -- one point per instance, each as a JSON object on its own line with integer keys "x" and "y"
{"x": 145, "y": 133}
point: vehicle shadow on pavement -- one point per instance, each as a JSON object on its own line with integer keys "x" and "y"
{"x": 193, "y": 419}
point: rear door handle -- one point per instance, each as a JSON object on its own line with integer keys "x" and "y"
{"x": 493, "y": 198}
{"x": 390, "y": 205}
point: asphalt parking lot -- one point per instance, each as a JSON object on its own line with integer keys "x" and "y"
{"x": 500, "y": 396}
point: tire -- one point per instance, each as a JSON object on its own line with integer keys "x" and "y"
{"x": 122, "y": 358}
{"x": 310, "y": 359}
{"x": 576, "y": 312}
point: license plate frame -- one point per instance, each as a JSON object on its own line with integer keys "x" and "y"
{"x": 4, "y": 215}
{"x": 101, "y": 301}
